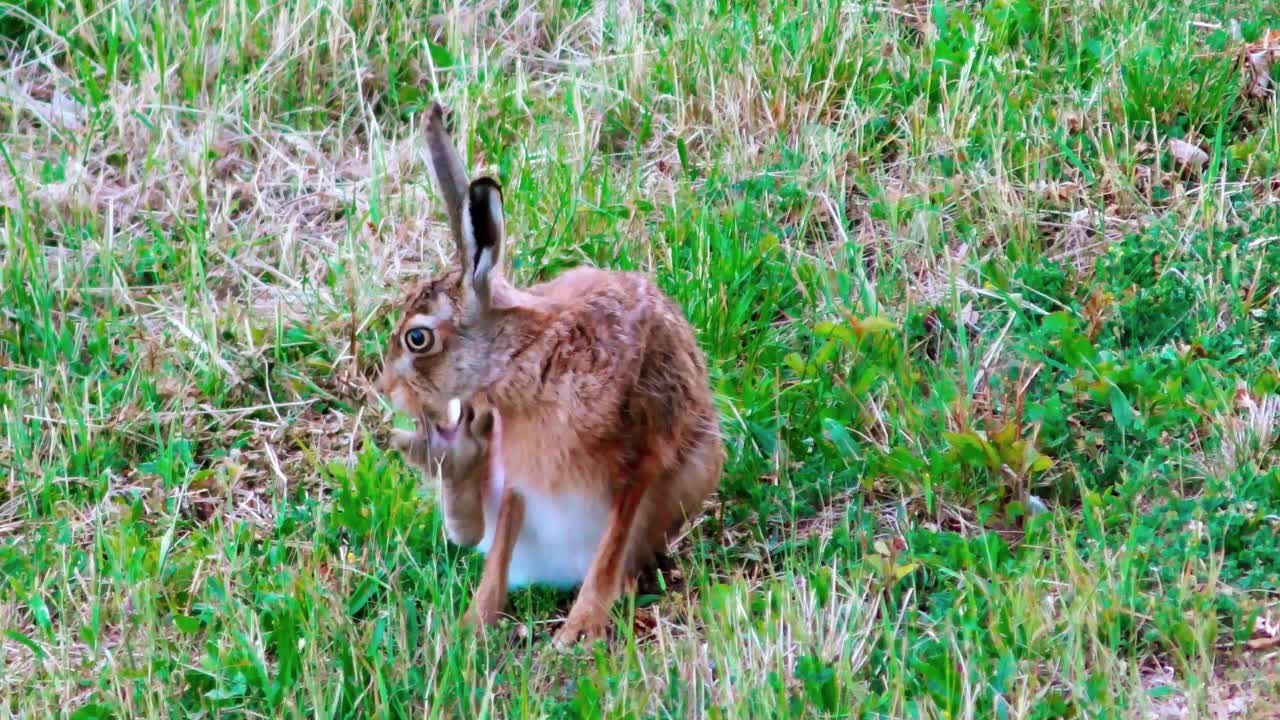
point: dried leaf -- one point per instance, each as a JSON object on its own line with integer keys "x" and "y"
{"x": 1257, "y": 67}
{"x": 644, "y": 624}
{"x": 1264, "y": 643}
{"x": 1056, "y": 191}
{"x": 1072, "y": 119}
{"x": 1258, "y": 59}
{"x": 1187, "y": 154}
{"x": 1266, "y": 635}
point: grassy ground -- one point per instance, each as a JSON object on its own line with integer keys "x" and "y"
{"x": 997, "y": 355}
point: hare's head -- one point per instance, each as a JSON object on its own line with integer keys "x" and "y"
{"x": 442, "y": 346}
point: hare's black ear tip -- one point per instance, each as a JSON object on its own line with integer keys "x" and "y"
{"x": 435, "y": 114}
{"x": 485, "y": 184}
{"x": 482, "y": 424}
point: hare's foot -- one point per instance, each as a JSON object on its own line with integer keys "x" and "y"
{"x": 484, "y": 611}
{"x": 587, "y": 625}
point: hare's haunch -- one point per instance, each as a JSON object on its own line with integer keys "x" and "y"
{"x": 602, "y": 438}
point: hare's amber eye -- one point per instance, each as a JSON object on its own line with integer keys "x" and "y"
{"x": 419, "y": 339}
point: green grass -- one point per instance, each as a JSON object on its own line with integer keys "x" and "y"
{"x": 998, "y": 374}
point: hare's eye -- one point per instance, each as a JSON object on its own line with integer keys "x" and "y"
{"x": 419, "y": 339}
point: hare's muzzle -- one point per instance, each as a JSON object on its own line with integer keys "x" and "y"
{"x": 452, "y": 425}
{"x": 384, "y": 383}
{"x": 390, "y": 386}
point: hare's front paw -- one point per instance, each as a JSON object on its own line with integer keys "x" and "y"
{"x": 482, "y": 613}
{"x": 412, "y": 445}
{"x": 472, "y": 620}
{"x": 404, "y": 440}
{"x": 586, "y": 626}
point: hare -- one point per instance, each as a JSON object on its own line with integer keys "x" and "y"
{"x": 609, "y": 437}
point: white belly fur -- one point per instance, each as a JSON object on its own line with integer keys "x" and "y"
{"x": 558, "y": 540}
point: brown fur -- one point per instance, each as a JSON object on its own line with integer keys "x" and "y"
{"x": 597, "y": 377}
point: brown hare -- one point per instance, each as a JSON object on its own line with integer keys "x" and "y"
{"x": 596, "y": 436}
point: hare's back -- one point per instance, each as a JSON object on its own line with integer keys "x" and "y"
{"x": 581, "y": 285}
{"x": 627, "y": 309}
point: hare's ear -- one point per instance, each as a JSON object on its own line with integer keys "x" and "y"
{"x": 483, "y": 425}
{"x": 483, "y": 234}
{"x": 447, "y": 171}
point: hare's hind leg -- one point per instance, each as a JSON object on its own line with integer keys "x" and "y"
{"x": 678, "y": 502}
{"x": 589, "y": 617}
{"x": 667, "y": 488}
{"x": 674, "y": 463}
